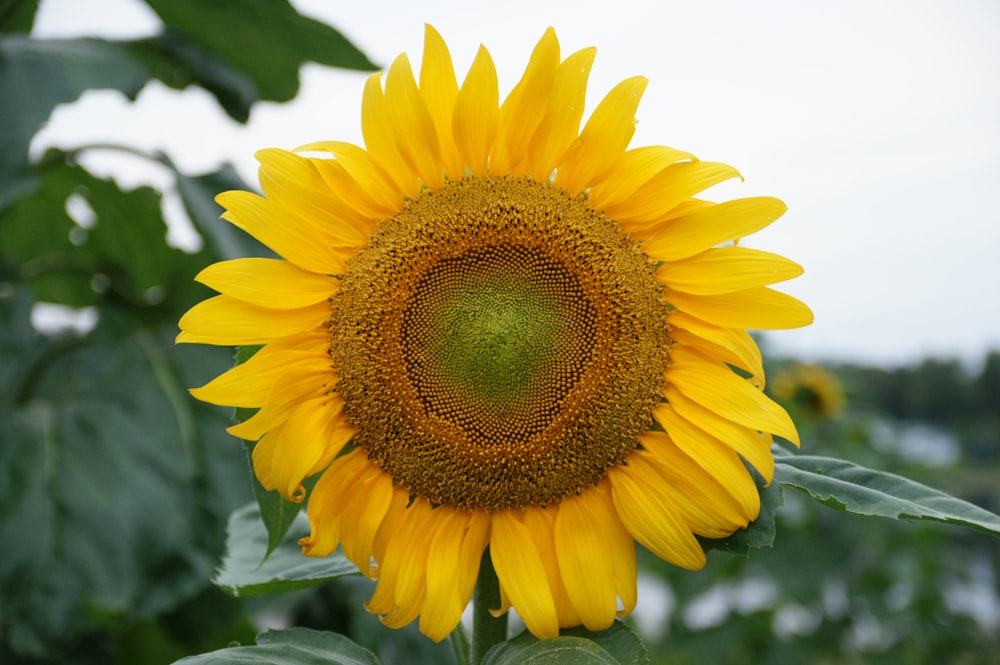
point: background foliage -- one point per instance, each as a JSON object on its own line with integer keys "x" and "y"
{"x": 116, "y": 487}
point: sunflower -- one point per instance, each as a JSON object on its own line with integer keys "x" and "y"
{"x": 812, "y": 387}
{"x": 492, "y": 331}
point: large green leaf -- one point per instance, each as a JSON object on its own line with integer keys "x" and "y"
{"x": 244, "y": 571}
{"x": 268, "y": 40}
{"x": 240, "y": 52}
{"x": 856, "y": 489}
{"x": 115, "y": 485}
{"x": 618, "y": 645}
{"x": 17, "y": 15}
{"x": 125, "y": 247}
{"x": 295, "y": 646}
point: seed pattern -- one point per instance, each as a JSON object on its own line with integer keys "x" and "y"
{"x": 499, "y": 343}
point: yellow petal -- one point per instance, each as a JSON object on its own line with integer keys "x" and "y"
{"x": 719, "y": 389}
{"x": 411, "y": 584}
{"x": 308, "y": 380}
{"x": 373, "y": 183}
{"x": 585, "y": 564}
{"x": 651, "y": 517}
{"x": 304, "y": 443}
{"x": 604, "y": 138}
{"x": 541, "y": 524}
{"x": 706, "y": 504}
{"x": 726, "y": 269}
{"x": 522, "y": 574}
{"x": 618, "y": 541}
{"x": 476, "y": 114}
{"x": 248, "y": 385}
{"x": 757, "y": 308}
{"x": 226, "y": 321}
{"x": 439, "y": 89}
{"x": 293, "y": 184}
{"x": 712, "y": 224}
{"x": 362, "y": 516}
{"x": 695, "y": 422}
{"x": 268, "y": 282}
{"x": 732, "y": 345}
{"x": 668, "y": 188}
{"x": 525, "y": 107}
{"x": 380, "y": 138}
{"x": 558, "y": 129}
{"x": 714, "y": 457}
{"x": 326, "y": 502}
{"x": 444, "y": 605}
{"x": 305, "y": 244}
{"x": 418, "y": 141}
{"x": 630, "y": 172}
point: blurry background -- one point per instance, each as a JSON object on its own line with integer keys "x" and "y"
{"x": 876, "y": 122}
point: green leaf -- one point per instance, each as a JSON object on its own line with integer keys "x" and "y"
{"x": 856, "y": 489}
{"x": 17, "y": 15}
{"x": 295, "y": 646}
{"x": 244, "y": 571}
{"x": 268, "y": 40}
{"x": 115, "y": 485}
{"x": 618, "y": 645}
{"x": 126, "y": 245}
{"x": 36, "y": 75}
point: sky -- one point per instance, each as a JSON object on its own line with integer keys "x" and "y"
{"x": 877, "y": 122}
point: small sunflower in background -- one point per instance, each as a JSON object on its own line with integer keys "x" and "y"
{"x": 491, "y": 330}
{"x": 815, "y": 389}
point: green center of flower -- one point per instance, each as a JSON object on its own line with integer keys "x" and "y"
{"x": 498, "y": 343}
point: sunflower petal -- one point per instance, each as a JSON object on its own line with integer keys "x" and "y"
{"x": 712, "y": 224}
{"x": 585, "y": 563}
{"x": 604, "y": 138}
{"x": 668, "y": 188}
{"x": 757, "y": 308}
{"x": 652, "y": 518}
{"x": 525, "y": 106}
{"x": 476, "y": 114}
{"x": 268, "y": 282}
{"x": 558, "y": 129}
{"x": 226, "y": 321}
{"x": 726, "y": 269}
{"x": 439, "y": 89}
{"x": 522, "y": 575}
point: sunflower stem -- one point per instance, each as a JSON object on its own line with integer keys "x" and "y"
{"x": 487, "y": 630}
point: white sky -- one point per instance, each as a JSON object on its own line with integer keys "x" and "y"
{"x": 878, "y": 122}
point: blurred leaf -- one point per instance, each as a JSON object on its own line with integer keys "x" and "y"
{"x": 856, "y": 489}
{"x": 113, "y": 504}
{"x": 623, "y": 643}
{"x": 126, "y": 245}
{"x": 618, "y": 644}
{"x": 17, "y": 15}
{"x": 295, "y": 646}
{"x": 244, "y": 571}
{"x": 35, "y": 76}
{"x": 267, "y": 40}
{"x": 239, "y": 52}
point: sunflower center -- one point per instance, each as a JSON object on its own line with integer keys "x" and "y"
{"x": 499, "y": 343}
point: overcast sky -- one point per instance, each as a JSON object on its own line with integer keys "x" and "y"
{"x": 877, "y": 121}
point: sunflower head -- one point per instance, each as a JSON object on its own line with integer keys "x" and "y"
{"x": 812, "y": 388}
{"x": 527, "y": 330}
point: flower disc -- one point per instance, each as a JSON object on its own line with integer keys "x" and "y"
{"x": 499, "y": 343}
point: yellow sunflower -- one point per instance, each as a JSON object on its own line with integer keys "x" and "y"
{"x": 813, "y": 387}
{"x": 489, "y": 328}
